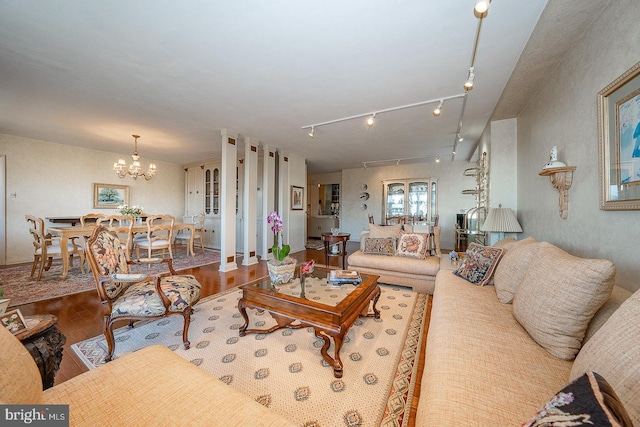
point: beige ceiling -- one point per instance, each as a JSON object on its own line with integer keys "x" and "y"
{"x": 90, "y": 73}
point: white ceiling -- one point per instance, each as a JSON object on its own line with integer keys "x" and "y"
{"x": 91, "y": 73}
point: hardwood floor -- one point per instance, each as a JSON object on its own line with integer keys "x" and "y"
{"x": 80, "y": 315}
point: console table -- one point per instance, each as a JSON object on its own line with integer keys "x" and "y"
{"x": 44, "y": 342}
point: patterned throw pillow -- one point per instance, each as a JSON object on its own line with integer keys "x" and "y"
{"x": 413, "y": 245}
{"x": 379, "y": 246}
{"x": 479, "y": 263}
{"x": 588, "y": 401}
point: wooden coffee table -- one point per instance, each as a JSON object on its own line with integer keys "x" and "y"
{"x": 312, "y": 304}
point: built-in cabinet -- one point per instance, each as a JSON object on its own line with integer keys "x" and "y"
{"x": 203, "y": 191}
{"x": 414, "y": 199}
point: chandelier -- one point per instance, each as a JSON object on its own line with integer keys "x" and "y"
{"x": 134, "y": 169}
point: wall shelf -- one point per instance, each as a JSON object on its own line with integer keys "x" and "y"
{"x": 561, "y": 179}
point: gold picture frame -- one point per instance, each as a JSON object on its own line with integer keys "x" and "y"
{"x": 619, "y": 142}
{"x": 13, "y": 321}
{"x": 110, "y": 196}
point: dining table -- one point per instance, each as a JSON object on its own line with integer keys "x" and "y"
{"x": 69, "y": 232}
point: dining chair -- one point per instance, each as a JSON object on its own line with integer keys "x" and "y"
{"x": 90, "y": 219}
{"x": 127, "y": 296}
{"x": 45, "y": 249}
{"x": 122, "y": 225}
{"x": 184, "y": 235}
{"x": 159, "y": 236}
{"x": 394, "y": 220}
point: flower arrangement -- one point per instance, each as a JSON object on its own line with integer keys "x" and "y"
{"x": 280, "y": 252}
{"x": 134, "y": 210}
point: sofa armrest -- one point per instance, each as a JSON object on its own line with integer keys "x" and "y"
{"x": 363, "y": 235}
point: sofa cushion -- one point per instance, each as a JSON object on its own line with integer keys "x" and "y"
{"x": 559, "y": 295}
{"x": 427, "y": 267}
{"x": 381, "y": 231}
{"x": 436, "y": 241}
{"x": 478, "y": 264}
{"x": 20, "y": 381}
{"x": 587, "y": 401}
{"x": 614, "y": 352}
{"x": 413, "y": 245}
{"x": 380, "y": 246}
{"x": 512, "y": 268}
{"x": 505, "y": 243}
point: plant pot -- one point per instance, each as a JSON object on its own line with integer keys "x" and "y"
{"x": 281, "y": 272}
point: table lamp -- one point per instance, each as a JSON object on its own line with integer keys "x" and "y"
{"x": 501, "y": 220}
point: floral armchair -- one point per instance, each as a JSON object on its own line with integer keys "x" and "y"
{"x": 132, "y": 297}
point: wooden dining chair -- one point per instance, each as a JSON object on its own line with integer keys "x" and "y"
{"x": 90, "y": 219}
{"x": 184, "y": 235}
{"x": 159, "y": 236}
{"x": 45, "y": 249}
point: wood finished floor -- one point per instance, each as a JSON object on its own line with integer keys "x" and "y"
{"x": 80, "y": 315}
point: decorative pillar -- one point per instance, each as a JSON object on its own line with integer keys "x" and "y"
{"x": 228, "y": 201}
{"x": 268, "y": 198}
{"x": 250, "y": 196}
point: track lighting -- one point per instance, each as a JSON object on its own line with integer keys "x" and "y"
{"x": 313, "y": 131}
{"x": 468, "y": 85}
{"x": 460, "y": 138}
{"x": 438, "y": 159}
{"x": 438, "y": 109}
{"x": 481, "y": 8}
{"x": 371, "y": 119}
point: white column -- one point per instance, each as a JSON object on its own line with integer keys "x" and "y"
{"x": 250, "y": 196}
{"x": 268, "y": 197}
{"x": 284, "y": 195}
{"x": 228, "y": 201}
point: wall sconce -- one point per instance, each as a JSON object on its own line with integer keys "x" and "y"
{"x": 561, "y": 179}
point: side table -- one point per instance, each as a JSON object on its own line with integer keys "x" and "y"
{"x": 340, "y": 239}
{"x": 44, "y": 342}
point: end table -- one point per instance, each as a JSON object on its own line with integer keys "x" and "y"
{"x": 44, "y": 342}
{"x": 340, "y": 240}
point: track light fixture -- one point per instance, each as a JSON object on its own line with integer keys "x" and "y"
{"x": 438, "y": 109}
{"x": 313, "y": 131}
{"x": 438, "y": 159}
{"x": 460, "y": 138}
{"x": 468, "y": 85}
{"x": 370, "y": 120}
{"x": 481, "y": 9}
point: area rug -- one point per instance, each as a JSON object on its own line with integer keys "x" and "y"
{"x": 315, "y": 245}
{"x": 22, "y": 289}
{"x": 285, "y": 371}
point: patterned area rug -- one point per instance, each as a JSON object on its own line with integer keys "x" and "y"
{"x": 285, "y": 371}
{"x": 315, "y": 244}
{"x": 22, "y": 289}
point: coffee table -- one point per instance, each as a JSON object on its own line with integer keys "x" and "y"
{"x": 330, "y": 310}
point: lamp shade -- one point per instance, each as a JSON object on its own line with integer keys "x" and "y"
{"x": 501, "y": 220}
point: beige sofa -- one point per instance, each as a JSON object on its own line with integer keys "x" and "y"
{"x": 482, "y": 366}
{"x": 419, "y": 274}
{"x": 152, "y": 386}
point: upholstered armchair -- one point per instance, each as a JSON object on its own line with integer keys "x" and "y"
{"x": 132, "y": 297}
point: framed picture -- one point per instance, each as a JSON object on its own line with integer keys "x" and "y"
{"x": 110, "y": 196}
{"x": 619, "y": 148}
{"x": 297, "y": 198}
{"x": 13, "y": 321}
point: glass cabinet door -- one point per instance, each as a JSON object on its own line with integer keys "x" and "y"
{"x": 434, "y": 201}
{"x": 216, "y": 191}
{"x": 207, "y": 191}
{"x": 418, "y": 200}
{"x": 414, "y": 199}
{"x": 395, "y": 199}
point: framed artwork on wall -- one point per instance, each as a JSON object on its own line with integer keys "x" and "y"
{"x": 297, "y": 198}
{"x": 110, "y": 196}
{"x": 619, "y": 145}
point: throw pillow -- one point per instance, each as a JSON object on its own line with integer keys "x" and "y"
{"x": 512, "y": 268}
{"x": 613, "y": 352}
{"x": 587, "y": 401}
{"x": 559, "y": 295}
{"x": 413, "y": 245}
{"x": 380, "y": 231}
{"x": 381, "y": 246}
{"x": 478, "y": 264}
{"x": 505, "y": 243}
{"x": 436, "y": 241}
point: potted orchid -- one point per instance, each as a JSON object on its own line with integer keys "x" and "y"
{"x": 282, "y": 266}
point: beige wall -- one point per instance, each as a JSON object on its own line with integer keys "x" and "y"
{"x": 57, "y": 180}
{"x": 564, "y": 113}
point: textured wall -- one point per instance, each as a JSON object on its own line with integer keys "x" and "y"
{"x": 564, "y": 113}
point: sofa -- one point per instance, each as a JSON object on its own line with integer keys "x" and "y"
{"x": 152, "y": 386}
{"x": 378, "y": 254}
{"x": 499, "y": 347}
